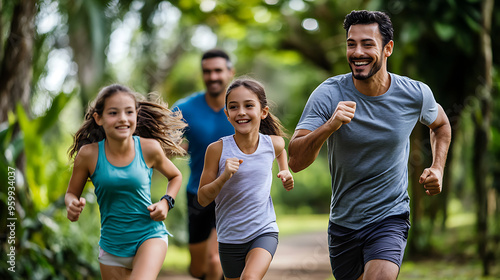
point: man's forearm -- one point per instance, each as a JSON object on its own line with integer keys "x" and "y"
{"x": 440, "y": 137}
{"x": 440, "y": 142}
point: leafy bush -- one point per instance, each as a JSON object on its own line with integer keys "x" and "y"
{"x": 47, "y": 245}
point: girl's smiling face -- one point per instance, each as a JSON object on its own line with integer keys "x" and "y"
{"x": 244, "y": 111}
{"x": 119, "y": 117}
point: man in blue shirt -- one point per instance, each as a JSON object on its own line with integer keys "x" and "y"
{"x": 366, "y": 117}
{"x": 204, "y": 114}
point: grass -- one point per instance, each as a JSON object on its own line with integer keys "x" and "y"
{"x": 443, "y": 270}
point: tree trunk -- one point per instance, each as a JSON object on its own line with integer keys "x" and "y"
{"x": 16, "y": 67}
{"x": 415, "y": 168}
{"x": 16, "y": 76}
{"x": 482, "y": 121}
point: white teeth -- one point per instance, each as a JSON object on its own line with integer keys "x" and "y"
{"x": 361, "y": 63}
{"x": 121, "y": 127}
{"x": 242, "y": 121}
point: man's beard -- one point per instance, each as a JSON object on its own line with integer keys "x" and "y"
{"x": 376, "y": 67}
{"x": 215, "y": 93}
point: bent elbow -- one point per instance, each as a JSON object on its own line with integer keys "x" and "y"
{"x": 296, "y": 169}
{"x": 295, "y": 166}
{"x": 202, "y": 201}
{"x": 294, "y": 161}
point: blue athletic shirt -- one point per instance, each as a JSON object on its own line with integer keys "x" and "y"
{"x": 123, "y": 195}
{"x": 204, "y": 127}
{"x": 368, "y": 157}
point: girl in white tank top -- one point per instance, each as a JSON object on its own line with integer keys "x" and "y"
{"x": 238, "y": 174}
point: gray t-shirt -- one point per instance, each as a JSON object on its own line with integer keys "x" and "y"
{"x": 368, "y": 157}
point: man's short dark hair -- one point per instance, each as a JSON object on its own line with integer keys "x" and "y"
{"x": 218, "y": 53}
{"x": 369, "y": 17}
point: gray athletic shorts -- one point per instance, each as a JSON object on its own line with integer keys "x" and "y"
{"x": 351, "y": 249}
{"x": 232, "y": 256}
{"x": 112, "y": 260}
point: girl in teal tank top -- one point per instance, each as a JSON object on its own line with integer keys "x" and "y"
{"x": 117, "y": 147}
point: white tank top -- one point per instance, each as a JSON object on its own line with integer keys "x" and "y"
{"x": 244, "y": 208}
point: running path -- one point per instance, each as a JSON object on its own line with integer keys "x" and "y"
{"x": 301, "y": 257}
{"x": 298, "y": 257}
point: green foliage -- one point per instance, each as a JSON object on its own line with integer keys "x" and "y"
{"x": 11, "y": 148}
{"x": 42, "y": 174}
{"x": 184, "y": 79}
{"x": 310, "y": 194}
{"x": 176, "y": 221}
{"x": 443, "y": 269}
{"x": 50, "y": 249}
{"x": 45, "y": 246}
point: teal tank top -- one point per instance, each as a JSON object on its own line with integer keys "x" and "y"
{"x": 123, "y": 194}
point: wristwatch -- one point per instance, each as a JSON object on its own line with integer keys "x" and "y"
{"x": 170, "y": 201}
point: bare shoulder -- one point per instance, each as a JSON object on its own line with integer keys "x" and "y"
{"x": 87, "y": 157}
{"x": 278, "y": 142}
{"x": 149, "y": 144}
{"x": 88, "y": 152}
{"x": 215, "y": 147}
{"x": 212, "y": 157}
{"x": 151, "y": 148}
{"x": 214, "y": 152}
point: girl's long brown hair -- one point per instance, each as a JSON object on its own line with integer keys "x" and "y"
{"x": 154, "y": 120}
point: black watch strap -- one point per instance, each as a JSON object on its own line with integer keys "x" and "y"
{"x": 170, "y": 200}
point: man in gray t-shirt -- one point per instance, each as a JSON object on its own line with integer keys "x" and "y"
{"x": 366, "y": 117}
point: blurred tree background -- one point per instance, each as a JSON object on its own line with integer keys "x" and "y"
{"x": 56, "y": 55}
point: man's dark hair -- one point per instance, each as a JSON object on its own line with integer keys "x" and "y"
{"x": 369, "y": 17}
{"x": 218, "y": 53}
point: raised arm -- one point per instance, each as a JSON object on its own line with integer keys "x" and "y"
{"x": 440, "y": 137}
{"x": 305, "y": 144}
{"x": 210, "y": 184}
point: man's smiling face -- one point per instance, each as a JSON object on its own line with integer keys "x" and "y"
{"x": 365, "y": 52}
